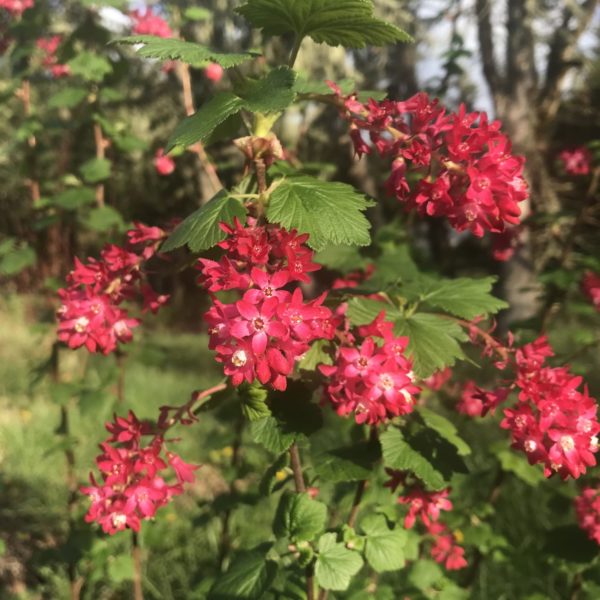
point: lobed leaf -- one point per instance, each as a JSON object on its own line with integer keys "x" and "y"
{"x": 187, "y": 52}
{"x": 349, "y": 23}
{"x": 384, "y": 549}
{"x": 330, "y": 212}
{"x": 349, "y": 463}
{"x": 201, "y": 230}
{"x": 199, "y": 126}
{"x": 299, "y": 517}
{"x": 249, "y": 577}
{"x": 335, "y": 565}
{"x": 426, "y": 454}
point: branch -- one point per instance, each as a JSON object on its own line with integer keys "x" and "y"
{"x": 101, "y": 144}
{"x": 183, "y": 71}
{"x": 562, "y": 53}
{"x": 486, "y": 47}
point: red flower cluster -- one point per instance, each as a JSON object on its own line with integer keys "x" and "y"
{"x": 163, "y": 164}
{"x": 426, "y": 506}
{"x": 587, "y": 507}
{"x": 263, "y": 334}
{"x": 553, "y": 422}
{"x": 576, "y": 161}
{"x": 373, "y": 382}
{"x": 591, "y": 288}
{"x": 147, "y": 23}
{"x": 49, "y": 46}
{"x": 466, "y": 170}
{"x": 133, "y": 486}
{"x": 90, "y": 315}
{"x": 16, "y": 7}
{"x": 437, "y": 381}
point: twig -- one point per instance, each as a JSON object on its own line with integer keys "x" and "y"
{"x": 183, "y": 71}
{"x": 101, "y": 144}
{"x": 24, "y": 94}
{"x": 136, "y": 553}
{"x": 300, "y": 489}
{"x": 75, "y": 583}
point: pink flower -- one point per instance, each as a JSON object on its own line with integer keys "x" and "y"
{"x": 553, "y": 422}
{"x": 146, "y": 22}
{"x": 590, "y": 285}
{"x": 16, "y": 7}
{"x": 587, "y": 507}
{"x": 214, "y": 72}
{"x": 262, "y": 335}
{"x": 438, "y": 379}
{"x": 90, "y": 314}
{"x": 372, "y": 382}
{"x": 163, "y": 164}
{"x": 576, "y": 161}
{"x": 478, "y": 184}
{"x": 49, "y": 46}
{"x": 133, "y": 486}
{"x": 445, "y": 549}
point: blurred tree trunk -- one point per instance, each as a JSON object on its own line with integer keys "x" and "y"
{"x": 526, "y": 102}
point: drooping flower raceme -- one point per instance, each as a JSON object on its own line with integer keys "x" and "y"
{"x": 576, "y": 161}
{"x": 146, "y": 22}
{"x": 133, "y": 473}
{"x": 91, "y": 313}
{"x": 425, "y": 507}
{"x": 16, "y": 7}
{"x": 466, "y": 171}
{"x": 553, "y": 422}
{"x": 371, "y": 380}
{"x": 591, "y": 288}
{"x": 48, "y": 47}
{"x": 261, "y": 335}
{"x": 587, "y": 507}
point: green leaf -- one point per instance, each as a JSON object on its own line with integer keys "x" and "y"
{"x": 434, "y": 341}
{"x": 299, "y": 517}
{"x": 384, "y": 548}
{"x": 196, "y": 13}
{"x": 104, "y": 218}
{"x": 336, "y": 565}
{"x": 272, "y": 93}
{"x": 249, "y": 577}
{"x": 464, "y": 297}
{"x": 90, "y": 66}
{"x": 74, "y": 198}
{"x": 201, "y": 231}
{"x": 254, "y": 401}
{"x": 199, "y": 126}
{"x": 120, "y": 568}
{"x": 303, "y": 86}
{"x": 445, "y": 428}
{"x": 269, "y": 433}
{"x": 349, "y": 23}
{"x": 430, "y": 457}
{"x": 317, "y": 355}
{"x": 294, "y": 415}
{"x": 187, "y": 52}
{"x": 273, "y": 475}
{"x": 349, "y": 463}
{"x": 68, "y": 97}
{"x": 341, "y": 258}
{"x": 518, "y": 465}
{"x": 330, "y": 212}
{"x": 425, "y": 573}
{"x": 95, "y": 170}
{"x": 20, "y": 256}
